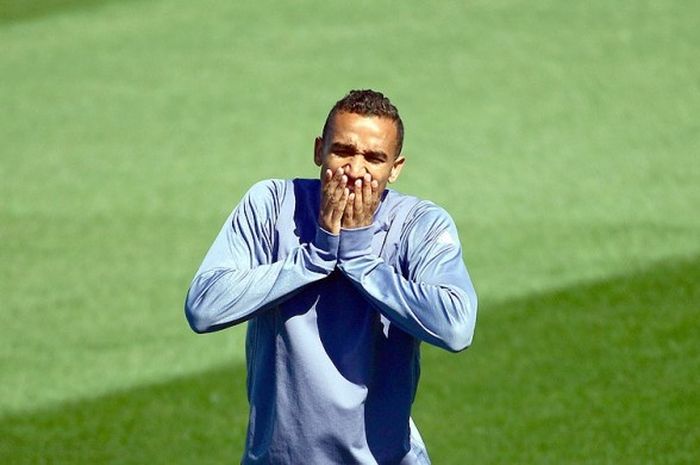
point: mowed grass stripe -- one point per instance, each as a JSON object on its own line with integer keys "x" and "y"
{"x": 602, "y": 373}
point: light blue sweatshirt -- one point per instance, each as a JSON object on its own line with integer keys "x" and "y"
{"x": 334, "y": 321}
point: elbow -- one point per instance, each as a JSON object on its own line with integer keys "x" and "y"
{"x": 198, "y": 325}
{"x": 458, "y": 338}
{"x": 460, "y": 333}
{"x": 198, "y": 320}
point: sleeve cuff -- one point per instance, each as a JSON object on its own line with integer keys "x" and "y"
{"x": 355, "y": 243}
{"x": 324, "y": 249}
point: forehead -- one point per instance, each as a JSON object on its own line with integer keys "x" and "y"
{"x": 364, "y": 132}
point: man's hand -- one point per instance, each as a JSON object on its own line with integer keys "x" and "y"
{"x": 361, "y": 203}
{"x": 334, "y": 197}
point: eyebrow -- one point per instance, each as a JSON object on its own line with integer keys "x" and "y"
{"x": 341, "y": 147}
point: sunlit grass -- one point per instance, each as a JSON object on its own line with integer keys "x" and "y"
{"x": 562, "y": 138}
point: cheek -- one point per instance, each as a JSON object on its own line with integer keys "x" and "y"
{"x": 334, "y": 162}
{"x": 381, "y": 174}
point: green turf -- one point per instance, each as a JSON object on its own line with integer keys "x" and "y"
{"x": 563, "y": 139}
{"x": 600, "y": 373}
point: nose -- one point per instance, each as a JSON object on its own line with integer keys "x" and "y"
{"x": 355, "y": 168}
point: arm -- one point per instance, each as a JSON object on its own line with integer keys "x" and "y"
{"x": 238, "y": 278}
{"x": 436, "y": 302}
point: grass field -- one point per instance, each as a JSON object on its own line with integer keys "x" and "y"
{"x": 563, "y": 138}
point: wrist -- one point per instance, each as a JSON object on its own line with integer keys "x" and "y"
{"x": 323, "y": 249}
{"x": 355, "y": 242}
{"x": 328, "y": 228}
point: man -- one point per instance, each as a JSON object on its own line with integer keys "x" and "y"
{"x": 340, "y": 279}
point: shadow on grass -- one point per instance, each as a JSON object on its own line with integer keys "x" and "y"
{"x": 599, "y": 373}
{"x": 602, "y": 372}
{"x": 17, "y": 10}
{"x": 200, "y": 419}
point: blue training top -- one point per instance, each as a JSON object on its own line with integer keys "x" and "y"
{"x": 334, "y": 321}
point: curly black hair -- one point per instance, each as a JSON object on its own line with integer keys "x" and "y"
{"x": 366, "y": 102}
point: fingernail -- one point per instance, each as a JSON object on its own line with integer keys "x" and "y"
{"x": 344, "y": 179}
{"x": 358, "y": 182}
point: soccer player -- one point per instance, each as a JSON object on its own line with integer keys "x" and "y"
{"x": 340, "y": 279}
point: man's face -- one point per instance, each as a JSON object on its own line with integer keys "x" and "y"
{"x": 359, "y": 145}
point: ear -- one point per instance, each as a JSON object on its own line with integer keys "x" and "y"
{"x": 396, "y": 168}
{"x": 318, "y": 151}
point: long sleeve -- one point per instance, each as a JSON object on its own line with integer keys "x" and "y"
{"x": 436, "y": 301}
{"x": 238, "y": 277}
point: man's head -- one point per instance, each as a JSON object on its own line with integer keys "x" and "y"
{"x": 362, "y": 134}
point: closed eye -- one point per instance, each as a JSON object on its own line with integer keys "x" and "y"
{"x": 375, "y": 157}
{"x": 349, "y": 150}
{"x": 343, "y": 150}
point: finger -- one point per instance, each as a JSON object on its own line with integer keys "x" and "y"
{"x": 340, "y": 206}
{"x": 329, "y": 187}
{"x": 335, "y": 179}
{"x": 358, "y": 197}
{"x": 375, "y": 194}
{"x": 328, "y": 176}
{"x": 325, "y": 181}
{"x": 349, "y": 214}
{"x": 340, "y": 189}
{"x": 325, "y": 199}
{"x": 367, "y": 191}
